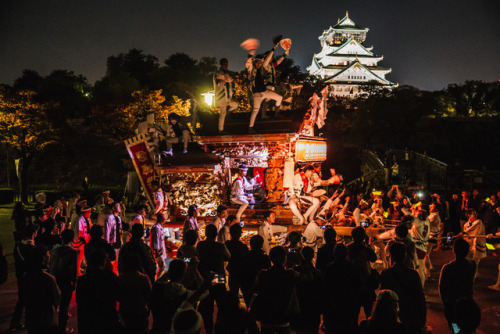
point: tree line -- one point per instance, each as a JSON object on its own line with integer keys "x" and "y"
{"x": 64, "y": 128}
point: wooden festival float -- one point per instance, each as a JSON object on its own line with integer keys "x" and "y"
{"x": 205, "y": 178}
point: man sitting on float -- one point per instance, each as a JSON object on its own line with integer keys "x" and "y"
{"x": 241, "y": 191}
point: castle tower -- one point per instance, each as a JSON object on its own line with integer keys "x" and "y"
{"x": 345, "y": 63}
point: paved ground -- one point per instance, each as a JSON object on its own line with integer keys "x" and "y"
{"x": 488, "y": 300}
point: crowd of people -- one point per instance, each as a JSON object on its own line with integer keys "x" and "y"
{"x": 122, "y": 273}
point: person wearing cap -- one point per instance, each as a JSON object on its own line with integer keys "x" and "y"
{"x": 259, "y": 70}
{"x": 82, "y": 235}
{"x": 224, "y": 92}
{"x": 113, "y": 227}
{"x": 239, "y": 194}
{"x": 177, "y": 132}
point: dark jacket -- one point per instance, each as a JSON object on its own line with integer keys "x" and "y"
{"x": 276, "y": 301}
{"x": 42, "y": 297}
{"x": 96, "y": 297}
{"x": 63, "y": 266}
{"x": 138, "y": 247}
{"x": 406, "y": 283}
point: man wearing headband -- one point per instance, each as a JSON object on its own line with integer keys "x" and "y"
{"x": 259, "y": 71}
{"x": 239, "y": 190}
{"x": 224, "y": 92}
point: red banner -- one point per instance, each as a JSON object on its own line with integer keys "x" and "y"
{"x": 143, "y": 165}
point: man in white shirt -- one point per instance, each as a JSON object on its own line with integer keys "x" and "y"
{"x": 472, "y": 230}
{"x": 159, "y": 198}
{"x": 313, "y": 234}
{"x": 113, "y": 227}
{"x": 220, "y": 220}
{"x": 267, "y": 229}
{"x": 420, "y": 233}
{"x": 140, "y": 214}
{"x": 241, "y": 191}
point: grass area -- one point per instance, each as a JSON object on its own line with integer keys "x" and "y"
{"x": 6, "y": 230}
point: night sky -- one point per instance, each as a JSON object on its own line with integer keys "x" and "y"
{"x": 427, "y": 43}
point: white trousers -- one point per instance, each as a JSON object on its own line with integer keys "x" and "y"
{"x": 243, "y": 201}
{"x": 257, "y": 101}
{"x": 311, "y": 211}
{"x": 223, "y": 105}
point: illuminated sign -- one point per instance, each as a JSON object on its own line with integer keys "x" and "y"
{"x": 310, "y": 150}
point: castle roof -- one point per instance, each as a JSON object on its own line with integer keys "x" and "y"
{"x": 364, "y": 68}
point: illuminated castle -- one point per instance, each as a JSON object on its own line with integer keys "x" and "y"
{"x": 345, "y": 63}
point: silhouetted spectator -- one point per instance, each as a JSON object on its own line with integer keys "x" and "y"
{"x": 3, "y": 266}
{"x": 168, "y": 295}
{"x": 406, "y": 283}
{"x": 187, "y": 321}
{"x": 136, "y": 245}
{"x": 22, "y": 251}
{"x": 293, "y": 248}
{"x": 251, "y": 263}
{"x": 232, "y": 318}
{"x": 189, "y": 254}
{"x": 342, "y": 280}
{"x": 134, "y": 294}
{"x": 21, "y": 218}
{"x": 467, "y": 315}
{"x": 41, "y": 294}
{"x": 237, "y": 250}
{"x": 325, "y": 252}
{"x": 456, "y": 279}
{"x": 310, "y": 290}
{"x": 212, "y": 256}
{"x": 385, "y": 316}
{"x": 97, "y": 296}
{"x": 49, "y": 238}
{"x": 97, "y": 242}
{"x": 402, "y": 237}
{"x": 275, "y": 302}
{"x": 63, "y": 267}
{"x": 359, "y": 253}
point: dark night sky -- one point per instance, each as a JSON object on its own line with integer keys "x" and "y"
{"x": 427, "y": 43}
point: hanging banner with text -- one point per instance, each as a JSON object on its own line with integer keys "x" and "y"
{"x": 307, "y": 150}
{"x": 143, "y": 163}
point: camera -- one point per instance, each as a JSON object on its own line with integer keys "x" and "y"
{"x": 219, "y": 279}
{"x": 242, "y": 223}
{"x": 187, "y": 259}
{"x": 364, "y": 224}
{"x": 449, "y": 238}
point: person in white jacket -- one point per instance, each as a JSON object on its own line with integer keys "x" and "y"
{"x": 474, "y": 233}
{"x": 267, "y": 229}
{"x": 242, "y": 191}
{"x": 420, "y": 231}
